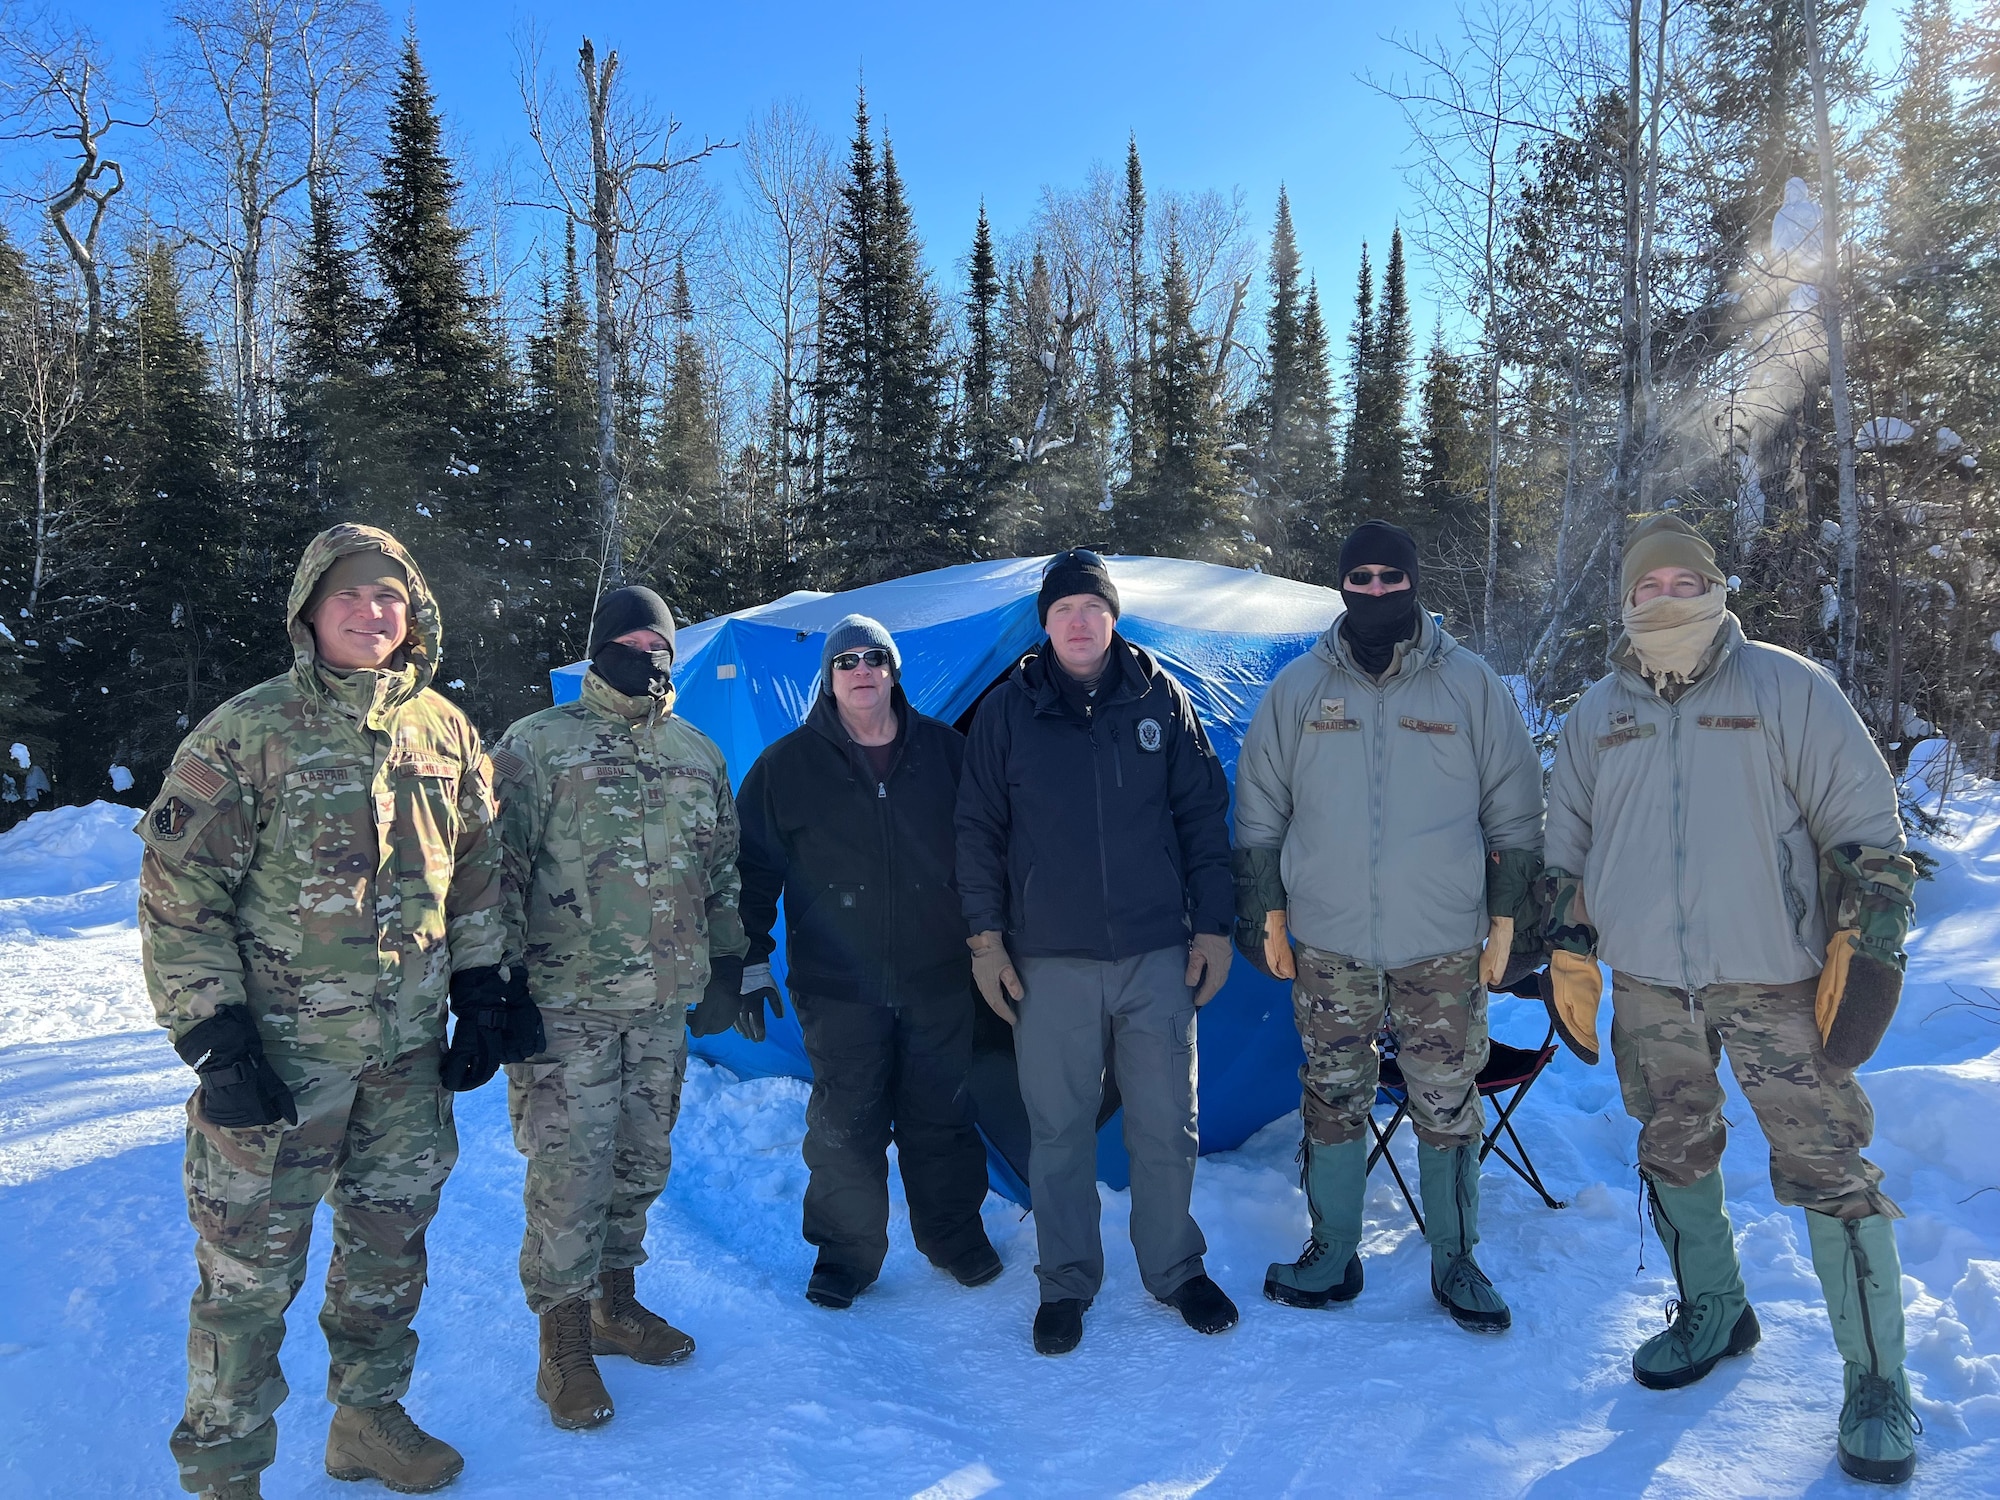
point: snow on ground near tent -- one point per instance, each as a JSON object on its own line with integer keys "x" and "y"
{"x": 925, "y": 1388}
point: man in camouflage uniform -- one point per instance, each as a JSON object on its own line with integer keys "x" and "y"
{"x": 1724, "y": 834}
{"x": 1388, "y": 814}
{"x": 620, "y": 838}
{"x": 318, "y": 875}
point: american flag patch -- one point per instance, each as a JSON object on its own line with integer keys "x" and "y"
{"x": 509, "y": 764}
{"x": 199, "y": 777}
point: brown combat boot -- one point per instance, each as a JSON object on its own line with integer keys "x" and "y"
{"x": 381, "y": 1442}
{"x": 568, "y": 1380}
{"x": 621, "y": 1324}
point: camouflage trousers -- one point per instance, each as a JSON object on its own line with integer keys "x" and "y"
{"x": 1436, "y": 1010}
{"x": 1668, "y": 1045}
{"x": 376, "y": 1143}
{"x": 594, "y": 1115}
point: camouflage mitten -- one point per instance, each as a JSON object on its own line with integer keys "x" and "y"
{"x": 1260, "y": 893}
{"x": 1514, "y": 892}
{"x": 239, "y": 1088}
{"x": 1870, "y": 898}
{"x": 1572, "y": 986}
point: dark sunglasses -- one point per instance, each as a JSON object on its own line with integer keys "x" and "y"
{"x": 1362, "y": 577}
{"x": 1074, "y": 555}
{"x": 847, "y": 661}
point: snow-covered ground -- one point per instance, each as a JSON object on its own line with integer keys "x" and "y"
{"x": 927, "y": 1389}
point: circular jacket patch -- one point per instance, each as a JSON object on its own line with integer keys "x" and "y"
{"x": 1149, "y": 734}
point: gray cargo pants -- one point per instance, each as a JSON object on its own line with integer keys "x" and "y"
{"x": 1141, "y": 1011}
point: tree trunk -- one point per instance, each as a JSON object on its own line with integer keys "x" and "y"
{"x": 1847, "y": 589}
{"x": 1625, "y": 485}
{"x": 604, "y": 273}
{"x": 1648, "y": 403}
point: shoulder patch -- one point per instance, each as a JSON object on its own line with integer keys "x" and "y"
{"x": 198, "y": 776}
{"x": 1149, "y": 735}
{"x": 510, "y": 763}
{"x": 170, "y": 820}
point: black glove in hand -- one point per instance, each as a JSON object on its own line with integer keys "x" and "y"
{"x": 757, "y": 990}
{"x": 239, "y": 1088}
{"x": 721, "y": 1002}
{"x": 496, "y": 1022}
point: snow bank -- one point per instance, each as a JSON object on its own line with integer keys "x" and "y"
{"x": 70, "y": 870}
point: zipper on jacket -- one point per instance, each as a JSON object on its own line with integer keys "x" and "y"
{"x": 1680, "y": 854}
{"x": 1117, "y": 761}
{"x": 1103, "y": 863}
{"x": 1375, "y": 799}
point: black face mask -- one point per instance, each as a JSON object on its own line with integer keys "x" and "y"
{"x": 635, "y": 673}
{"x": 1375, "y": 624}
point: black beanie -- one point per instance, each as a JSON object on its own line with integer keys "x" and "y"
{"x": 1078, "y": 571}
{"x": 1381, "y": 545}
{"x": 624, "y": 610}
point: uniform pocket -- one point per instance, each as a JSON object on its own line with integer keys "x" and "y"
{"x": 538, "y": 1100}
{"x": 229, "y": 1176}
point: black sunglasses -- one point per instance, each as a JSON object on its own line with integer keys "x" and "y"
{"x": 1362, "y": 577}
{"x": 1075, "y": 554}
{"x": 847, "y": 661}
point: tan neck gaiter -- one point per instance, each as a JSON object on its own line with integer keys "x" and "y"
{"x": 1669, "y": 635}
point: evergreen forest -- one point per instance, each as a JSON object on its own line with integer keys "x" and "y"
{"x": 1700, "y": 256}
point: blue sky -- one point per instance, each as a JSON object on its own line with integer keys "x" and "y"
{"x": 992, "y": 101}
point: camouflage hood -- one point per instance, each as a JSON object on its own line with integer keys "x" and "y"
{"x": 426, "y": 630}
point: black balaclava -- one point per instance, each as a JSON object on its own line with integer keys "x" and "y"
{"x": 1375, "y": 624}
{"x": 635, "y": 673}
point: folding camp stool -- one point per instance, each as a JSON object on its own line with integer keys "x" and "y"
{"x": 1509, "y": 1071}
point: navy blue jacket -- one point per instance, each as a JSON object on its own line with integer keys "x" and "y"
{"x": 864, "y": 865}
{"x": 1093, "y": 833}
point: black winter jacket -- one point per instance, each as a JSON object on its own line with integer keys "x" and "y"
{"x": 871, "y": 911}
{"x": 1099, "y": 833}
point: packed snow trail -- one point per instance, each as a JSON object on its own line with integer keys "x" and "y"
{"x": 924, "y": 1388}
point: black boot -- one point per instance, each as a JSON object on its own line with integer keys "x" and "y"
{"x": 1204, "y": 1305}
{"x": 975, "y": 1267}
{"x": 836, "y": 1286}
{"x": 1059, "y": 1325}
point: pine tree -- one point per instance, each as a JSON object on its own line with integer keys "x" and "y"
{"x": 1136, "y": 294}
{"x": 683, "y": 513}
{"x": 556, "y": 511}
{"x": 1360, "y": 374}
{"x": 326, "y": 429}
{"x": 440, "y": 402}
{"x": 1447, "y": 512}
{"x": 1291, "y": 416}
{"x": 1182, "y": 502}
{"x": 983, "y": 440}
{"x": 880, "y": 377}
{"x": 1378, "y": 439}
{"x": 181, "y": 633}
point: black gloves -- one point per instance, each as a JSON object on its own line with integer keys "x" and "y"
{"x": 721, "y": 1000}
{"x": 239, "y": 1087}
{"x": 757, "y": 990}
{"x": 498, "y": 1022}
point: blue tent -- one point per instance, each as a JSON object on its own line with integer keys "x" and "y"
{"x": 750, "y": 677}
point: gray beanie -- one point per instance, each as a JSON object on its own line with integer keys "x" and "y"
{"x": 858, "y": 633}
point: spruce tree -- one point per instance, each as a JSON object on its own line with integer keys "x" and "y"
{"x": 683, "y": 515}
{"x": 983, "y": 440}
{"x": 555, "y": 519}
{"x": 1360, "y": 374}
{"x": 326, "y": 428}
{"x": 1182, "y": 502}
{"x": 1135, "y": 292}
{"x": 440, "y": 402}
{"x": 181, "y": 633}
{"x": 880, "y": 377}
{"x": 1375, "y": 476}
{"x": 1290, "y": 418}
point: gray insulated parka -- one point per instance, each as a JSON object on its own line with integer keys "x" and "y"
{"x": 1385, "y": 798}
{"x": 1696, "y": 826}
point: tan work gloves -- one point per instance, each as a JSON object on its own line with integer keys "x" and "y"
{"x": 1498, "y": 950}
{"x": 1208, "y": 965}
{"x": 1278, "y": 960}
{"x": 993, "y": 972}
